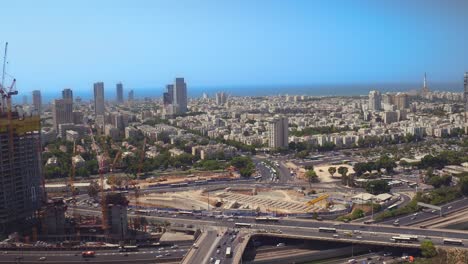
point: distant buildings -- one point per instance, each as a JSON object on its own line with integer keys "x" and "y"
{"x": 465, "y": 95}
{"x": 99, "y": 98}
{"x": 62, "y": 112}
{"x": 278, "y": 132}
{"x": 119, "y": 91}
{"x": 20, "y": 169}
{"x": 67, "y": 94}
{"x": 175, "y": 98}
{"x": 375, "y": 99}
{"x": 131, "y": 96}
{"x": 401, "y": 101}
{"x": 37, "y": 101}
{"x": 221, "y": 98}
{"x": 425, "y": 90}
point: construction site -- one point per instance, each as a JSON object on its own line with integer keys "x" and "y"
{"x": 243, "y": 200}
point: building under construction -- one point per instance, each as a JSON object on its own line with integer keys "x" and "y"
{"x": 21, "y": 192}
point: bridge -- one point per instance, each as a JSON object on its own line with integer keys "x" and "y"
{"x": 362, "y": 234}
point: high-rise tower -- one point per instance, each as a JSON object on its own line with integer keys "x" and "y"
{"x": 425, "y": 90}
{"x": 67, "y": 94}
{"x": 180, "y": 96}
{"x": 375, "y": 101}
{"x": 37, "y": 101}
{"x": 62, "y": 112}
{"x": 21, "y": 194}
{"x": 119, "y": 90}
{"x": 99, "y": 98}
{"x": 279, "y": 132}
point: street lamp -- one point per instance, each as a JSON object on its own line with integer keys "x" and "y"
{"x": 372, "y": 202}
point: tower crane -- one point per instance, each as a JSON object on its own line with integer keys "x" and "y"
{"x": 135, "y": 182}
{"x": 96, "y": 149}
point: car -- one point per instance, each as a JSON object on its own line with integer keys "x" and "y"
{"x": 167, "y": 254}
{"x": 126, "y": 255}
{"x": 359, "y": 237}
{"x": 412, "y": 218}
{"x": 42, "y": 258}
{"x": 88, "y": 254}
{"x": 357, "y": 232}
{"x": 195, "y": 246}
{"x": 159, "y": 256}
{"x": 336, "y": 236}
{"x": 175, "y": 247}
{"x": 450, "y": 207}
{"x": 217, "y": 251}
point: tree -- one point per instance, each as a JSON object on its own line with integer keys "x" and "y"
{"x": 377, "y": 187}
{"x": 428, "y": 249}
{"x": 244, "y": 164}
{"x": 464, "y": 185}
{"x": 93, "y": 189}
{"x": 343, "y": 171}
{"x": 332, "y": 170}
{"x": 311, "y": 176}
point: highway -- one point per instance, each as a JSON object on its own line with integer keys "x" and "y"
{"x": 305, "y": 227}
{"x": 102, "y": 256}
{"x": 427, "y": 214}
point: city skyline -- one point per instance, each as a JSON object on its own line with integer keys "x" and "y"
{"x": 317, "y": 44}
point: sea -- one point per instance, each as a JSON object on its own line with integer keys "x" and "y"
{"x": 254, "y": 90}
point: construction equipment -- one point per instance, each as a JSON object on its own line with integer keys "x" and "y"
{"x": 112, "y": 166}
{"x": 318, "y": 199}
{"x": 136, "y": 188}
{"x": 71, "y": 183}
{"x": 100, "y": 159}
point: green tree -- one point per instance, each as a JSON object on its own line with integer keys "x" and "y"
{"x": 332, "y": 170}
{"x": 311, "y": 176}
{"x": 377, "y": 187}
{"x": 428, "y": 249}
{"x": 464, "y": 185}
{"x": 344, "y": 171}
{"x": 244, "y": 164}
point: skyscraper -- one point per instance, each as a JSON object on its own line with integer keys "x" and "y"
{"x": 62, "y": 112}
{"x": 168, "y": 96}
{"x": 375, "y": 99}
{"x": 221, "y": 98}
{"x": 180, "y": 96}
{"x": 402, "y": 101}
{"x": 119, "y": 88}
{"x": 278, "y": 132}
{"x": 131, "y": 96}
{"x": 425, "y": 90}
{"x": 99, "y": 98}
{"x": 67, "y": 94}
{"x": 37, "y": 101}
{"x": 20, "y": 169}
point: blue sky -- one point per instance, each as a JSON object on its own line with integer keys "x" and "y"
{"x": 58, "y": 44}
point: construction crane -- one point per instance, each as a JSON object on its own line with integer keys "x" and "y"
{"x": 112, "y": 166}
{"x": 71, "y": 183}
{"x": 96, "y": 149}
{"x": 135, "y": 182}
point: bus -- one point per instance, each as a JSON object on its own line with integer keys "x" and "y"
{"x": 400, "y": 239}
{"x": 393, "y": 206}
{"x": 369, "y": 222}
{"x": 185, "y": 213}
{"x": 453, "y": 242}
{"x": 217, "y": 261}
{"x": 259, "y": 177}
{"x": 267, "y": 219}
{"x": 128, "y": 249}
{"x": 142, "y": 212}
{"x": 175, "y": 185}
{"x": 228, "y": 252}
{"x": 242, "y": 225}
{"x": 327, "y": 230}
{"x": 411, "y": 237}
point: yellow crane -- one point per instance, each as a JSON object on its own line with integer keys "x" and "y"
{"x": 318, "y": 199}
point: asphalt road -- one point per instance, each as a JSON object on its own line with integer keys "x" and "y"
{"x": 413, "y": 219}
{"x": 102, "y": 256}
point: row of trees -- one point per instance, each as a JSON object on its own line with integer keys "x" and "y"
{"x": 384, "y": 162}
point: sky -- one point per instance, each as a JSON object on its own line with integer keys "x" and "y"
{"x": 243, "y": 43}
